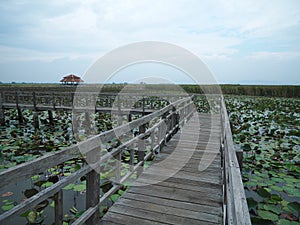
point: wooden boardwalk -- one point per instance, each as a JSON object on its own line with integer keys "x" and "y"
{"x": 195, "y": 179}
{"x": 188, "y": 196}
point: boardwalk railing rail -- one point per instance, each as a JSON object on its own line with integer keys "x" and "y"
{"x": 235, "y": 204}
{"x": 154, "y": 129}
{"x": 118, "y": 103}
{"x": 64, "y": 100}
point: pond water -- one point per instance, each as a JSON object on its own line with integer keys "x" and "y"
{"x": 70, "y": 199}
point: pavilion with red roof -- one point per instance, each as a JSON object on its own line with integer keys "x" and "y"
{"x": 71, "y": 79}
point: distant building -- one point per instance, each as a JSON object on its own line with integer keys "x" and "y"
{"x": 71, "y": 79}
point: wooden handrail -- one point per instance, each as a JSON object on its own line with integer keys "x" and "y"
{"x": 169, "y": 115}
{"x": 235, "y": 205}
{"x": 103, "y": 102}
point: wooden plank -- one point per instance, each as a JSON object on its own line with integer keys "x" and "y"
{"x": 157, "y": 216}
{"x": 155, "y": 178}
{"x": 184, "y": 185}
{"x": 211, "y": 199}
{"x": 111, "y": 218}
{"x": 174, "y": 203}
{"x": 103, "y": 222}
{"x": 170, "y": 210}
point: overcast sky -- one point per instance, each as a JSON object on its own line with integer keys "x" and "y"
{"x": 246, "y": 42}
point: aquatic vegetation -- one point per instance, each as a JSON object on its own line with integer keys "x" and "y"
{"x": 268, "y": 131}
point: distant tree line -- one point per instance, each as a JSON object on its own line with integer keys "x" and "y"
{"x": 292, "y": 91}
{"x": 287, "y": 91}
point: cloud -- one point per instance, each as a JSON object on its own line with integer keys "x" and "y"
{"x": 282, "y": 56}
{"x": 11, "y": 54}
{"x": 217, "y": 31}
{"x": 210, "y": 27}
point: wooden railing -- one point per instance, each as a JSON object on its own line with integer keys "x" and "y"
{"x": 119, "y": 103}
{"x": 235, "y": 206}
{"x": 64, "y": 100}
{"x": 154, "y": 129}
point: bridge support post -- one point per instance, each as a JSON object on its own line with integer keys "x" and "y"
{"x": 20, "y": 116}
{"x": 50, "y": 116}
{"x": 36, "y": 123}
{"x": 129, "y": 117}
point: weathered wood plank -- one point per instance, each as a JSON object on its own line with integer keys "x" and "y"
{"x": 175, "y": 203}
{"x": 179, "y": 179}
{"x": 210, "y": 198}
{"x": 170, "y": 210}
{"x": 156, "y": 216}
{"x": 111, "y": 218}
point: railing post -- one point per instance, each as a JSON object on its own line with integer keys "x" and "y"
{"x": 53, "y": 101}
{"x": 143, "y": 106}
{"x": 118, "y": 168}
{"x": 50, "y": 116}
{"x": 120, "y": 117}
{"x": 35, "y": 113}
{"x": 93, "y": 187}
{"x": 72, "y": 99}
{"x": 20, "y": 115}
{"x": 58, "y": 208}
{"x": 172, "y": 119}
{"x": 164, "y": 130}
{"x": 152, "y": 137}
{"x": 239, "y": 156}
{"x": 131, "y": 162}
{"x": 2, "y": 115}
{"x": 141, "y": 150}
{"x": 34, "y": 100}
{"x": 129, "y": 117}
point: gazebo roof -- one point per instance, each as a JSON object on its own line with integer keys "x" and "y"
{"x": 71, "y": 78}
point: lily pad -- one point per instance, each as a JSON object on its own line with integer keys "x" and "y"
{"x": 295, "y": 207}
{"x": 267, "y": 215}
{"x": 273, "y": 208}
{"x": 79, "y": 187}
{"x": 7, "y": 207}
{"x": 252, "y": 204}
{"x": 115, "y": 197}
{"x": 287, "y": 222}
{"x": 263, "y": 193}
{"x": 292, "y": 191}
